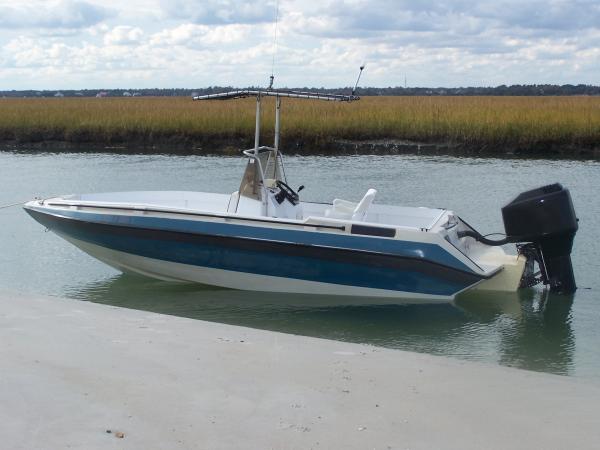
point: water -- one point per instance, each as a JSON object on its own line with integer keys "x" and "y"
{"x": 529, "y": 329}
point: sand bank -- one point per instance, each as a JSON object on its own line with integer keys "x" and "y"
{"x": 70, "y": 371}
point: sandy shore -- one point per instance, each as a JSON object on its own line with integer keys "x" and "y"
{"x": 70, "y": 371}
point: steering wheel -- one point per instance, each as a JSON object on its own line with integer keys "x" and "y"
{"x": 286, "y": 192}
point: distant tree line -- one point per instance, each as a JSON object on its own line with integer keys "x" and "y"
{"x": 503, "y": 90}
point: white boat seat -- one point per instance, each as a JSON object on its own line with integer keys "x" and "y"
{"x": 343, "y": 209}
{"x": 361, "y": 209}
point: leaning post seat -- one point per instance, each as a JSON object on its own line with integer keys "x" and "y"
{"x": 343, "y": 209}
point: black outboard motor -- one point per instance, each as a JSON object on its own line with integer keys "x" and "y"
{"x": 545, "y": 217}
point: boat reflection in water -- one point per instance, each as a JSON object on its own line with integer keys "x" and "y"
{"x": 529, "y": 329}
{"x": 533, "y": 327}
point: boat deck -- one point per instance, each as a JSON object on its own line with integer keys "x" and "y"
{"x": 396, "y": 216}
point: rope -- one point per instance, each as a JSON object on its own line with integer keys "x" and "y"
{"x": 12, "y": 204}
{"x": 22, "y": 203}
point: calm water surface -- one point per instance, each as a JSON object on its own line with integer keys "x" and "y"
{"x": 529, "y": 330}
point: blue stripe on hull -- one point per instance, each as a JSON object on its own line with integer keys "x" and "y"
{"x": 408, "y": 249}
{"x": 231, "y": 255}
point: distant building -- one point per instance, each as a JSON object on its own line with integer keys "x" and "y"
{"x": 136, "y": 94}
{"x": 78, "y": 94}
{"x": 59, "y": 94}
{"x": 102, "y": 94}
{"x": 126, "y": 94}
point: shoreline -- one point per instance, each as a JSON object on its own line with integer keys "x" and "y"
{"x": 524, "y": 126}
{"x": 73, "y": 370}
{"x": 233, "y": 147}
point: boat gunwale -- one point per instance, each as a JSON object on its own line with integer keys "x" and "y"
{"x": 343, "y": 224}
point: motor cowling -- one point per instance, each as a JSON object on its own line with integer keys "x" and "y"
{"x": 545, "y": 217}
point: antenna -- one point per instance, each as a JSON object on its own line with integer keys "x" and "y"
{"x": 358, "y": 79}
{"x": 274, "y": 45}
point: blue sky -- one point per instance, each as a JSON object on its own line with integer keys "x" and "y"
{"x": 77, "y": 44}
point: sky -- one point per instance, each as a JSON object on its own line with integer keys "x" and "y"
{"x": 88, "y": 44}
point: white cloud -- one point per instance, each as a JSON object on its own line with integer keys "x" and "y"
{"x": 52, "y": 14}
{"x": 123, "y": 35}
{"x": 195, "y": 43}
{"x": 195, "y": 36}
{"x": 211, "y": 12}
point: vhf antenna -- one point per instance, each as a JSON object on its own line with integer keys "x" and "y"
{"x": 358, "y": 79}
{"x": 272, "y": 77}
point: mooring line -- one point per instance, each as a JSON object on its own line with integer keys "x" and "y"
{"x": 22, "y": 203}
{"x": 13, "y": 204}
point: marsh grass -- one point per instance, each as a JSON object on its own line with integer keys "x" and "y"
{"x": 527, "y": 122}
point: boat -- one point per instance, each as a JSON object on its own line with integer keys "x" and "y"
{"x": 264, "y": 237}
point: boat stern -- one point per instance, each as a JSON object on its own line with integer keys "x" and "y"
{"x": 508, "y": 278}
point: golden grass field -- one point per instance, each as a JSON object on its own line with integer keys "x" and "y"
{"x": 528, "y": 122}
